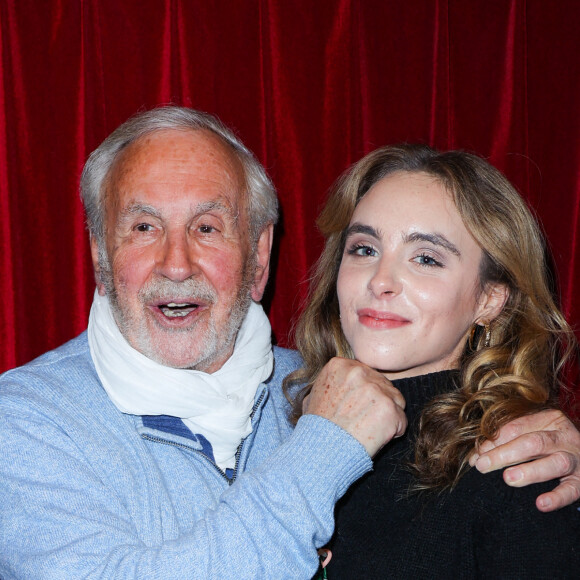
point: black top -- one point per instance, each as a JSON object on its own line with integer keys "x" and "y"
{"x": 481, "y": 529}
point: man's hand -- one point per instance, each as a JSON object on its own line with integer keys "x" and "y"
{"x": 360, "y": 400}
{"x": 550, "y": 439}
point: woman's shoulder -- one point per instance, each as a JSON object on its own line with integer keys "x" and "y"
{"x": 490, "y": 492}
{"x": 510, "y": 533}
{"x": 502, "y": 509}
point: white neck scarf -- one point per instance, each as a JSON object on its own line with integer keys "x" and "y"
{"x": 217, "y": 405}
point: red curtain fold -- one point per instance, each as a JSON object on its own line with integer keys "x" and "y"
{"x": 309, "y": 86}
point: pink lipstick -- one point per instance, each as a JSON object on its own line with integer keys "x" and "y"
{"x": 381, "y": 320}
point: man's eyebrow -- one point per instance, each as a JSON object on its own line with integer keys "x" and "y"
{"x": 212, "y": 205}
{"x": 217, "y": 205}
{"x": 137, "y": 208}
{"x": 435, "y": 239}
{"x": 358, "y": 228}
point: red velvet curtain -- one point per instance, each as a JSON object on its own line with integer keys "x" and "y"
{"x": 309, "y": 86}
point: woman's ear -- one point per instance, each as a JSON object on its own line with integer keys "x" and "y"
{"x": 491, "y": 303}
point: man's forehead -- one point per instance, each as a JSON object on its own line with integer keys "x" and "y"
{"x": 194, "y": 157}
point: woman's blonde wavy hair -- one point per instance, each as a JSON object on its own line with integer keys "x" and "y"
{"x": 531, "y": 342}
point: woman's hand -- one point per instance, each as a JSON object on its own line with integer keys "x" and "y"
{"x": 550, "y": 442}
{"x": 360, "y": 400}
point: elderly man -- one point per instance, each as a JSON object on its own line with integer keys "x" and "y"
{"x": 156, "y": 444}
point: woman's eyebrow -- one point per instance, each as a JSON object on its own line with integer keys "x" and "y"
{"x": 358, "y": 228}
{"x": 435, "y": 239}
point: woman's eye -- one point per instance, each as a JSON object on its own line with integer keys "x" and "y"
{"x": 426, "y": 260}
{"x": 362, "y": 250}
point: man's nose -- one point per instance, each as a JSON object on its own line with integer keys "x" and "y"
{"x": 386, "y": 278}
{"x": 178, "y": 259}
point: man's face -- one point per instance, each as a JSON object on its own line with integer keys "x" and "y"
{"x": 178, "y": 268}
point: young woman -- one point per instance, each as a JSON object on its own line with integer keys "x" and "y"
{"x": 434, "y": 272}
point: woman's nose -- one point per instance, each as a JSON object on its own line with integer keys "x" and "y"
{"x": 386, "y": 278}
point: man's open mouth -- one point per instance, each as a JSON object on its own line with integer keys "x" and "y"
{"x": 177, "y": 309}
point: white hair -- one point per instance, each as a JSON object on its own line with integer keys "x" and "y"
{"x": 262, "y": 204}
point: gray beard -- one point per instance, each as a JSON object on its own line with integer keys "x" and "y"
{"x": 214, "y": 343}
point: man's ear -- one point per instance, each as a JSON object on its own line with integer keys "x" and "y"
{"x": 263, "y": 249}
{"x": 96, "y": 265}
{"x": 491, "y": 303}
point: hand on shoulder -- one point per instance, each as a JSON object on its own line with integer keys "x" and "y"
{"x": 360, "y": 400}
{"x": 540, "y": 447}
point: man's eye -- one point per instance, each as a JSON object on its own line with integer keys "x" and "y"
{"x": 205, "y": 229}
{"x": 144, "y": 227}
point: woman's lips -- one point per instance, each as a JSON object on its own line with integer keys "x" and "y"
{"x": 381, "y": 320}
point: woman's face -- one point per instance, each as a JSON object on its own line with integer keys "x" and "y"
{"x": 408, "y": 284}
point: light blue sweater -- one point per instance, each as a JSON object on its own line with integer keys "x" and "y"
{"x": 89, "y": 492}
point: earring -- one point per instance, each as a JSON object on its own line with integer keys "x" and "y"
{"x": 471, "y": 341}
{"x": 487, "y": 328}
{"x": 475, "y": 336}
